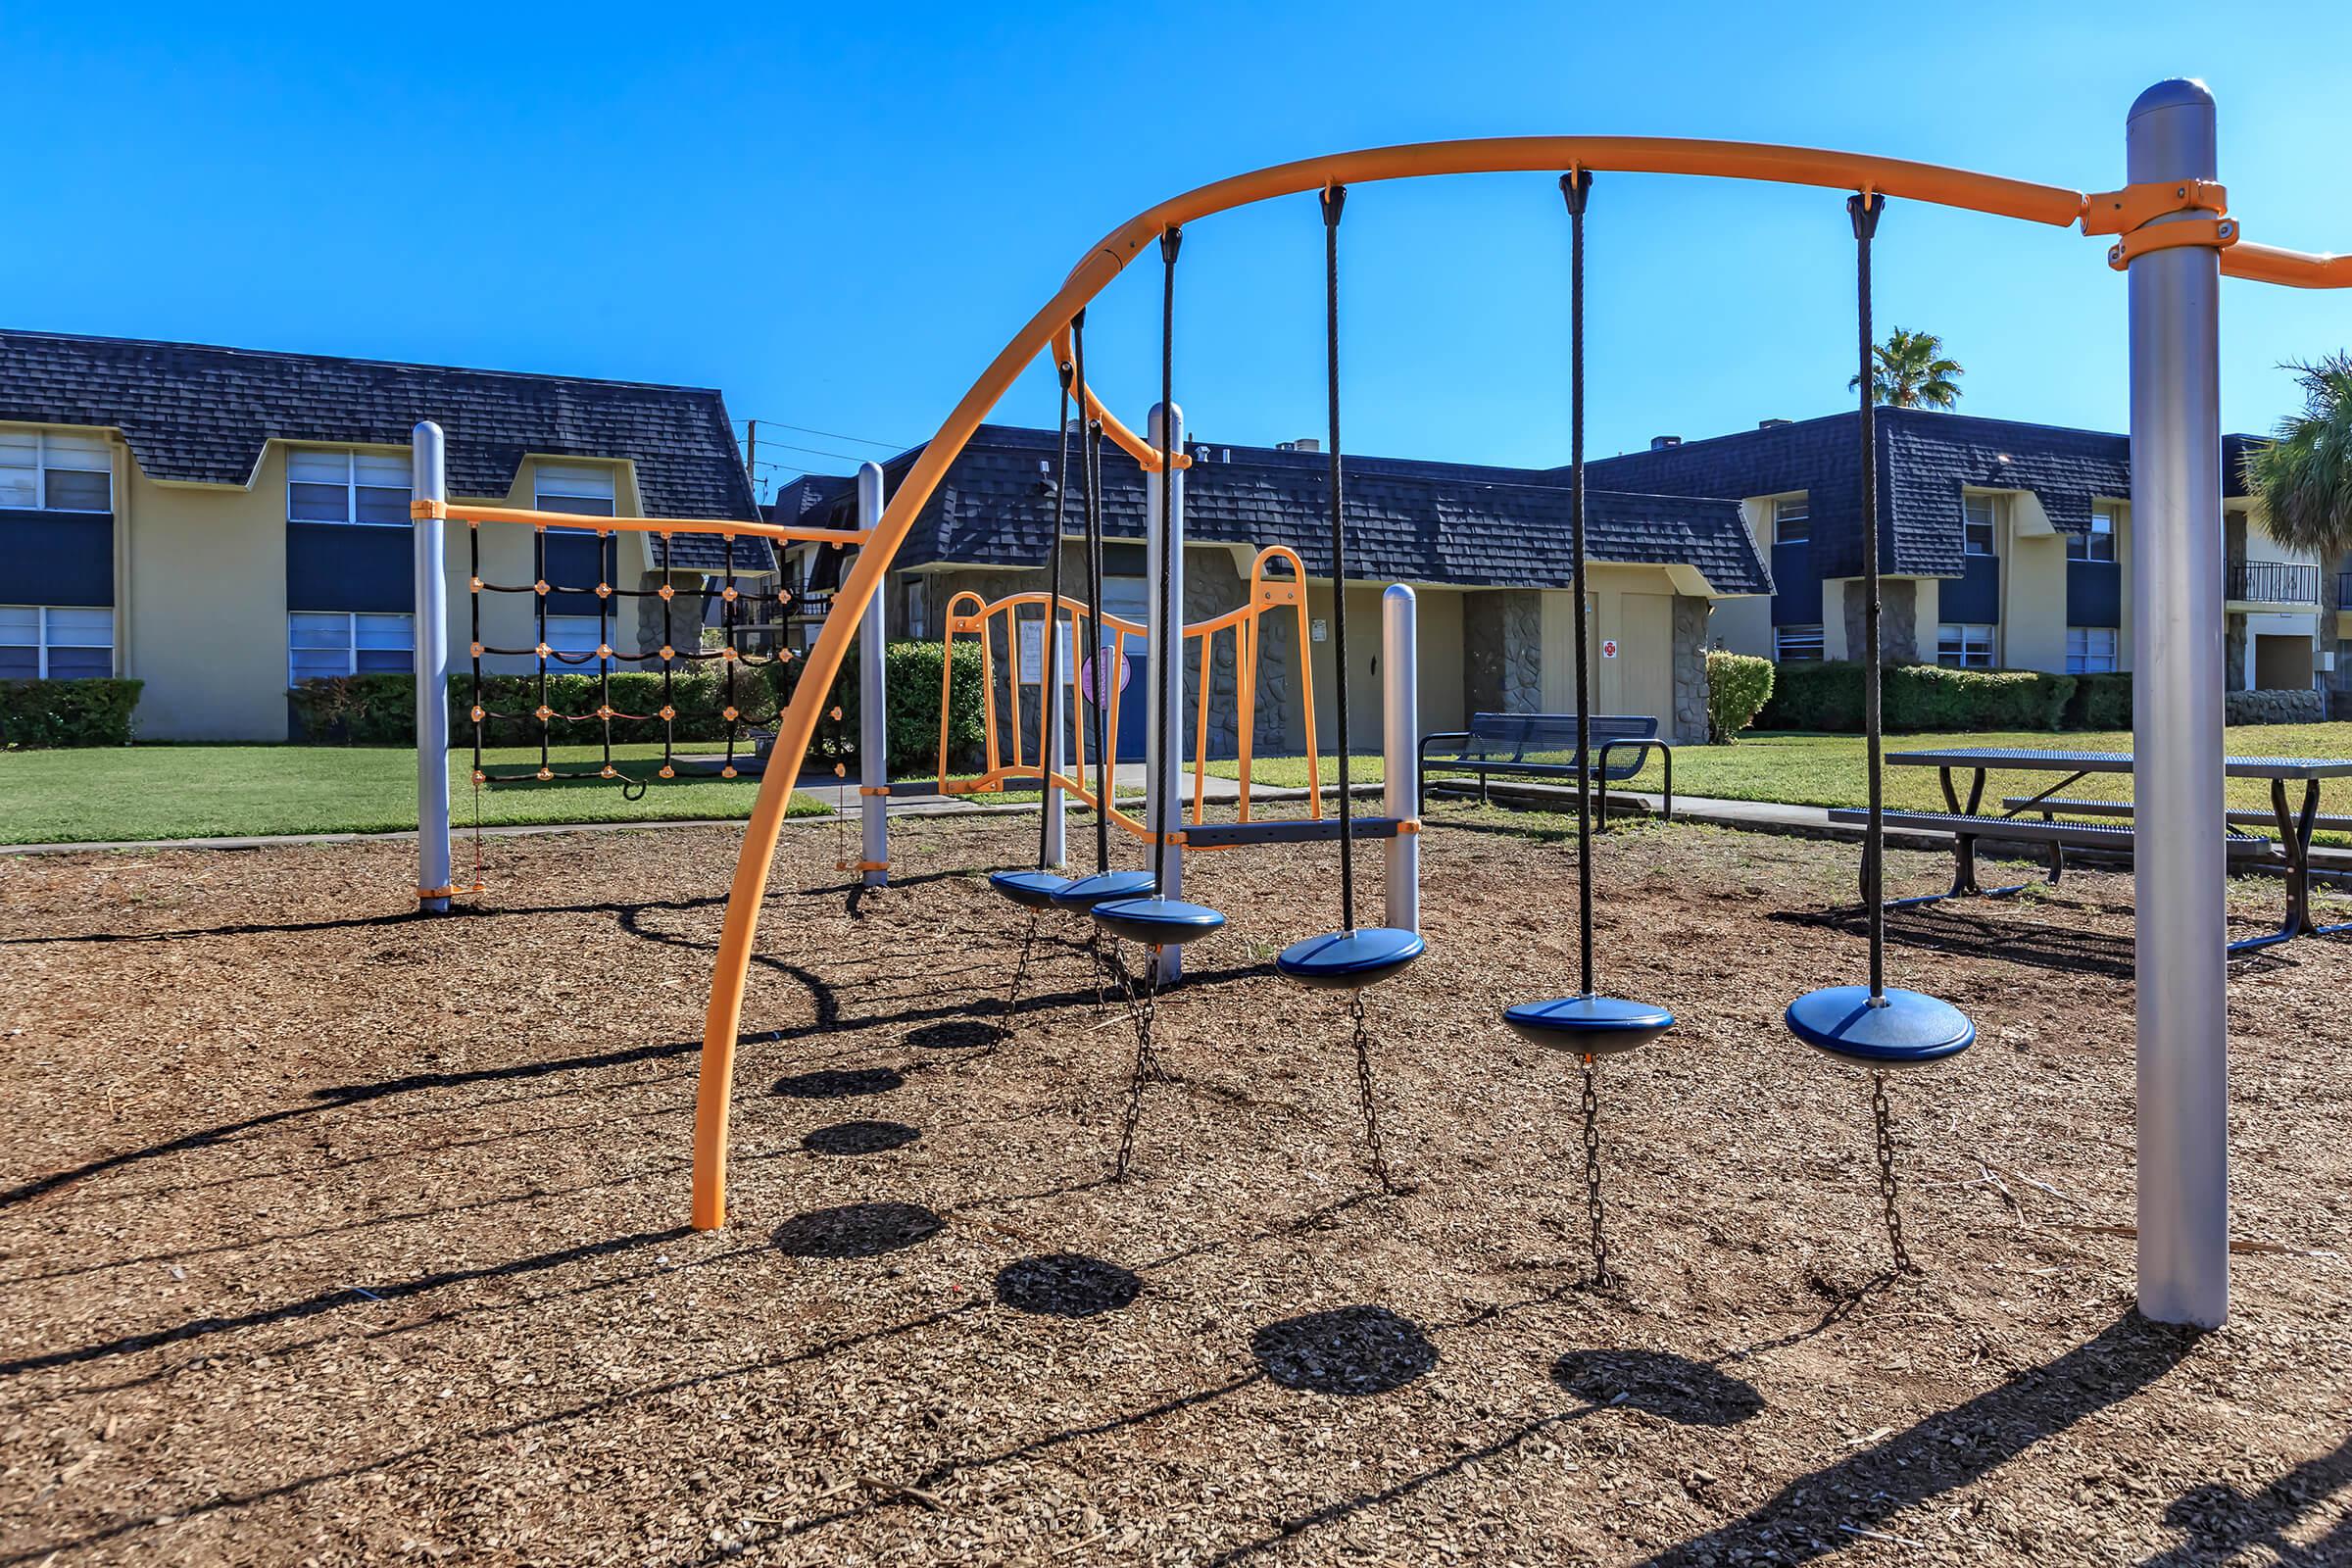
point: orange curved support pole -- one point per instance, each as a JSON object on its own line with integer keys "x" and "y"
{"x": 1799, "y": 166}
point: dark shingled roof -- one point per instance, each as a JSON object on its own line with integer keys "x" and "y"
{"x": 197, "y": 413}
{"x": 1926, "y": 459}
{"x": 1408, "y": 521}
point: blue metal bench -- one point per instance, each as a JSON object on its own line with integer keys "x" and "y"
{"x": 1501, "y": 743}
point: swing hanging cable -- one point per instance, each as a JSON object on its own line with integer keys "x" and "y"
{"x": 1089, "y": 469}
{"x": 1335, "y": 198}
{"x": 1575, "y": 185}
{"x": 1865, "y": 209}
{"x": 1165, "y": 662}
{"x": 1048, "y": 731}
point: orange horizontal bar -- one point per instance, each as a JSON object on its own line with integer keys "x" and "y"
{"x": 2268, "y": 264}
{"x": 458, "y": 512}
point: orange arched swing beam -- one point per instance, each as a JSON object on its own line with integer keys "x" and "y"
{"x": 969, "y": 615}
{"x": 2024, "y": 200}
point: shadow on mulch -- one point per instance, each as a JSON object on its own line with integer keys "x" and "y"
{"x": 955, "y": 1034}
{"x": 1066, "y": 1284}
{"x": 1942, "y": 928}
{"x": 1814, "y": 1515}
{"x": 840, "y": 1083}
{"x": 856, "y": 1230}
{"x": 2224, "y": 1523}
{"x": 1675, "y": 1387}
{"x": 860, "y": 1138}
{"x": 1351, "y": 1349}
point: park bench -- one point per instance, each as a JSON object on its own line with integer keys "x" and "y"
{"x": 1543, "y": 746}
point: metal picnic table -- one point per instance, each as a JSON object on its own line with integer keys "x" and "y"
{"x": 2295, "y": 821}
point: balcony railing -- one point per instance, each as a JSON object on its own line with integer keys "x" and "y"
{"x": 2274, "y": 582}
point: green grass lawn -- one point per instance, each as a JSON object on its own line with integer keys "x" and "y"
{"x": 168, "y": 792}
{"x": 1806, "y": 770}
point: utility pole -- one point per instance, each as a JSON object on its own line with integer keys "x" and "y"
{"x": 751, "y": 456}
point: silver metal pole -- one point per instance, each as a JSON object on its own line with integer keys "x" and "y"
{"x": 1401, "y": 745}
{"x": 873, "y": 698}
{"x": 428, "y": 480}
{"x": 1164, "y": 751}
{"x": 2184, "y": 1182}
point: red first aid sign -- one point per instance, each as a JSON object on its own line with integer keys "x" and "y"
{"x": 1608, "y": 649}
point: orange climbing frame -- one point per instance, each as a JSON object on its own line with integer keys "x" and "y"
{"x": 2024, "y": 200}
{"x": 970, "y": 615}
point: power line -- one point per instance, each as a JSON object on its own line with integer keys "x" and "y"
{"x": 830, "y": 435}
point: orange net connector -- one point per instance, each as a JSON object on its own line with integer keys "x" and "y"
{"x": 477, "y": 715}
{"x": 604, "y": 590}
{"x": 545, "y": 774}
{"x": 543, "y": 650}
{"x": 727, "y": 594}
{"x": 730, "y": 715}
{"x": 835, "y": 716}
{"x": 543, "y": 712}
{"x": 668, "y": 771}
{"x": 665, "y": 591}
{"x": 475, "y": 585}
{"x": 603, "y": 710}
{"x": 604, "y": 649}
{"x": 726, "y": 772}
{"x": 727, "y": 654}
{"x": 669, "y": 651}
{"x": 539, "y": 587}
{"x": 480, "y": 778}
{"x": 607, "y": 771}
{"x": 840, "y": 770}
{"x": 2218, "y": 232}
{"x": 2120, "y": 212}
{"x": 477, "y": 649}
{"x": 667, "y": 712}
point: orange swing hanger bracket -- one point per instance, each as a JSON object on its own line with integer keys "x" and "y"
{"x": 2219, "y": 233}
{"x": 2120, "y": 212}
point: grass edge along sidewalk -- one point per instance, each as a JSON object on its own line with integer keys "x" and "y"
{"x": 146, "y": 793}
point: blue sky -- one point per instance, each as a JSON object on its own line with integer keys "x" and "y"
{"x": 839, "y": 213}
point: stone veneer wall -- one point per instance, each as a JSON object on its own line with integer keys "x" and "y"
{"x": 1898, "y": 619}
{"x": 1502, "y": 651}
{"x": 1691, "y": 689}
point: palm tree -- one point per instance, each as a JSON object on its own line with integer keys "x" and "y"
{"x": 1912, "y": 373}
{"x": 2303, "y": 475}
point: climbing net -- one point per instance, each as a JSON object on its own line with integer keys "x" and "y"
{"x": 742, "y": 641}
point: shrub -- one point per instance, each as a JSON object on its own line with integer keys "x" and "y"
{"x": 359, "y": 709}
{"x": 1738, "y": 685}
{"x": 1918, "y": 697}
{"x": 910, "y": 670}
{"x": 2101, "y": 701}
{"x": 66, "y": 712}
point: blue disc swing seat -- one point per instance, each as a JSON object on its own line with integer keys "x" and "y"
{"x": 1587, "y": 1026}
{"x": 1156, "y": 922}
{"x": 1080, "y": 895}
{"x": 1350, "y": 961}
{"x": 1901, "y": 1029}
{"x": 1031, "y": 890}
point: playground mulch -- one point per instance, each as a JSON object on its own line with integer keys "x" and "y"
{"x": 334, "y": 1235}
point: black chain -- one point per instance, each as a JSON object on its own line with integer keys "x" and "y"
{"x": 1882, "y": 1114}
{"x": 1377, "y": 1152}
{"x": 1602, "y": 1274}
{"x": 1020, "y": 973}
{"x": 1143, "y": 1006}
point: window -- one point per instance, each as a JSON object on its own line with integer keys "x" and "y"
{"x": 1976, "y": 513}
{"x": 2099, "y": 543}
{"x": 575, "y": 635}
{"x": 1964, "y": 646}
{"x": 363, "y": 487}
{"x": 2089, "y": 650}
{"x": 1796, "y": 644}
{"x": 44, "y": 472}
{"x": 39, "y": 642}
{"x": 322, "y": 644}
{"x": 1792, "y": 522}
{"x": 574, "y": 487}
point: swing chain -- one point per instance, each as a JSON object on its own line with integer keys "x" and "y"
{"x": 1602, "y": 1275}
{"x": 1142, "y": 1010}
{"x": 1020, "y": 973}
{"x": 1363, "y": 1088}
{"x": 1882, "y": 1114}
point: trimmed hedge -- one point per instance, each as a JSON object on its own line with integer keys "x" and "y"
{"x": 66, "y": 712}
{"x": 381, "y": 710}
{"x": 1738, "y": 685}
{"x": 2101, "y": 701}
{"x": 1918, "y": 698}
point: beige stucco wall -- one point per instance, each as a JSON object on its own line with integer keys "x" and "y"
{"x": 206, "y": 570}
{"x": 2033, "y": 561}
{"x": 1744, "y": 625}
{"x": 1438, "y": 613}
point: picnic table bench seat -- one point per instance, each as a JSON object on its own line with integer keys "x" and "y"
{"x": 1543, "y": 746}
{"x": 2236, "y": 816}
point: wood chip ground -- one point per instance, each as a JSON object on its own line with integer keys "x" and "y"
{"x": 334, "y": 1235}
